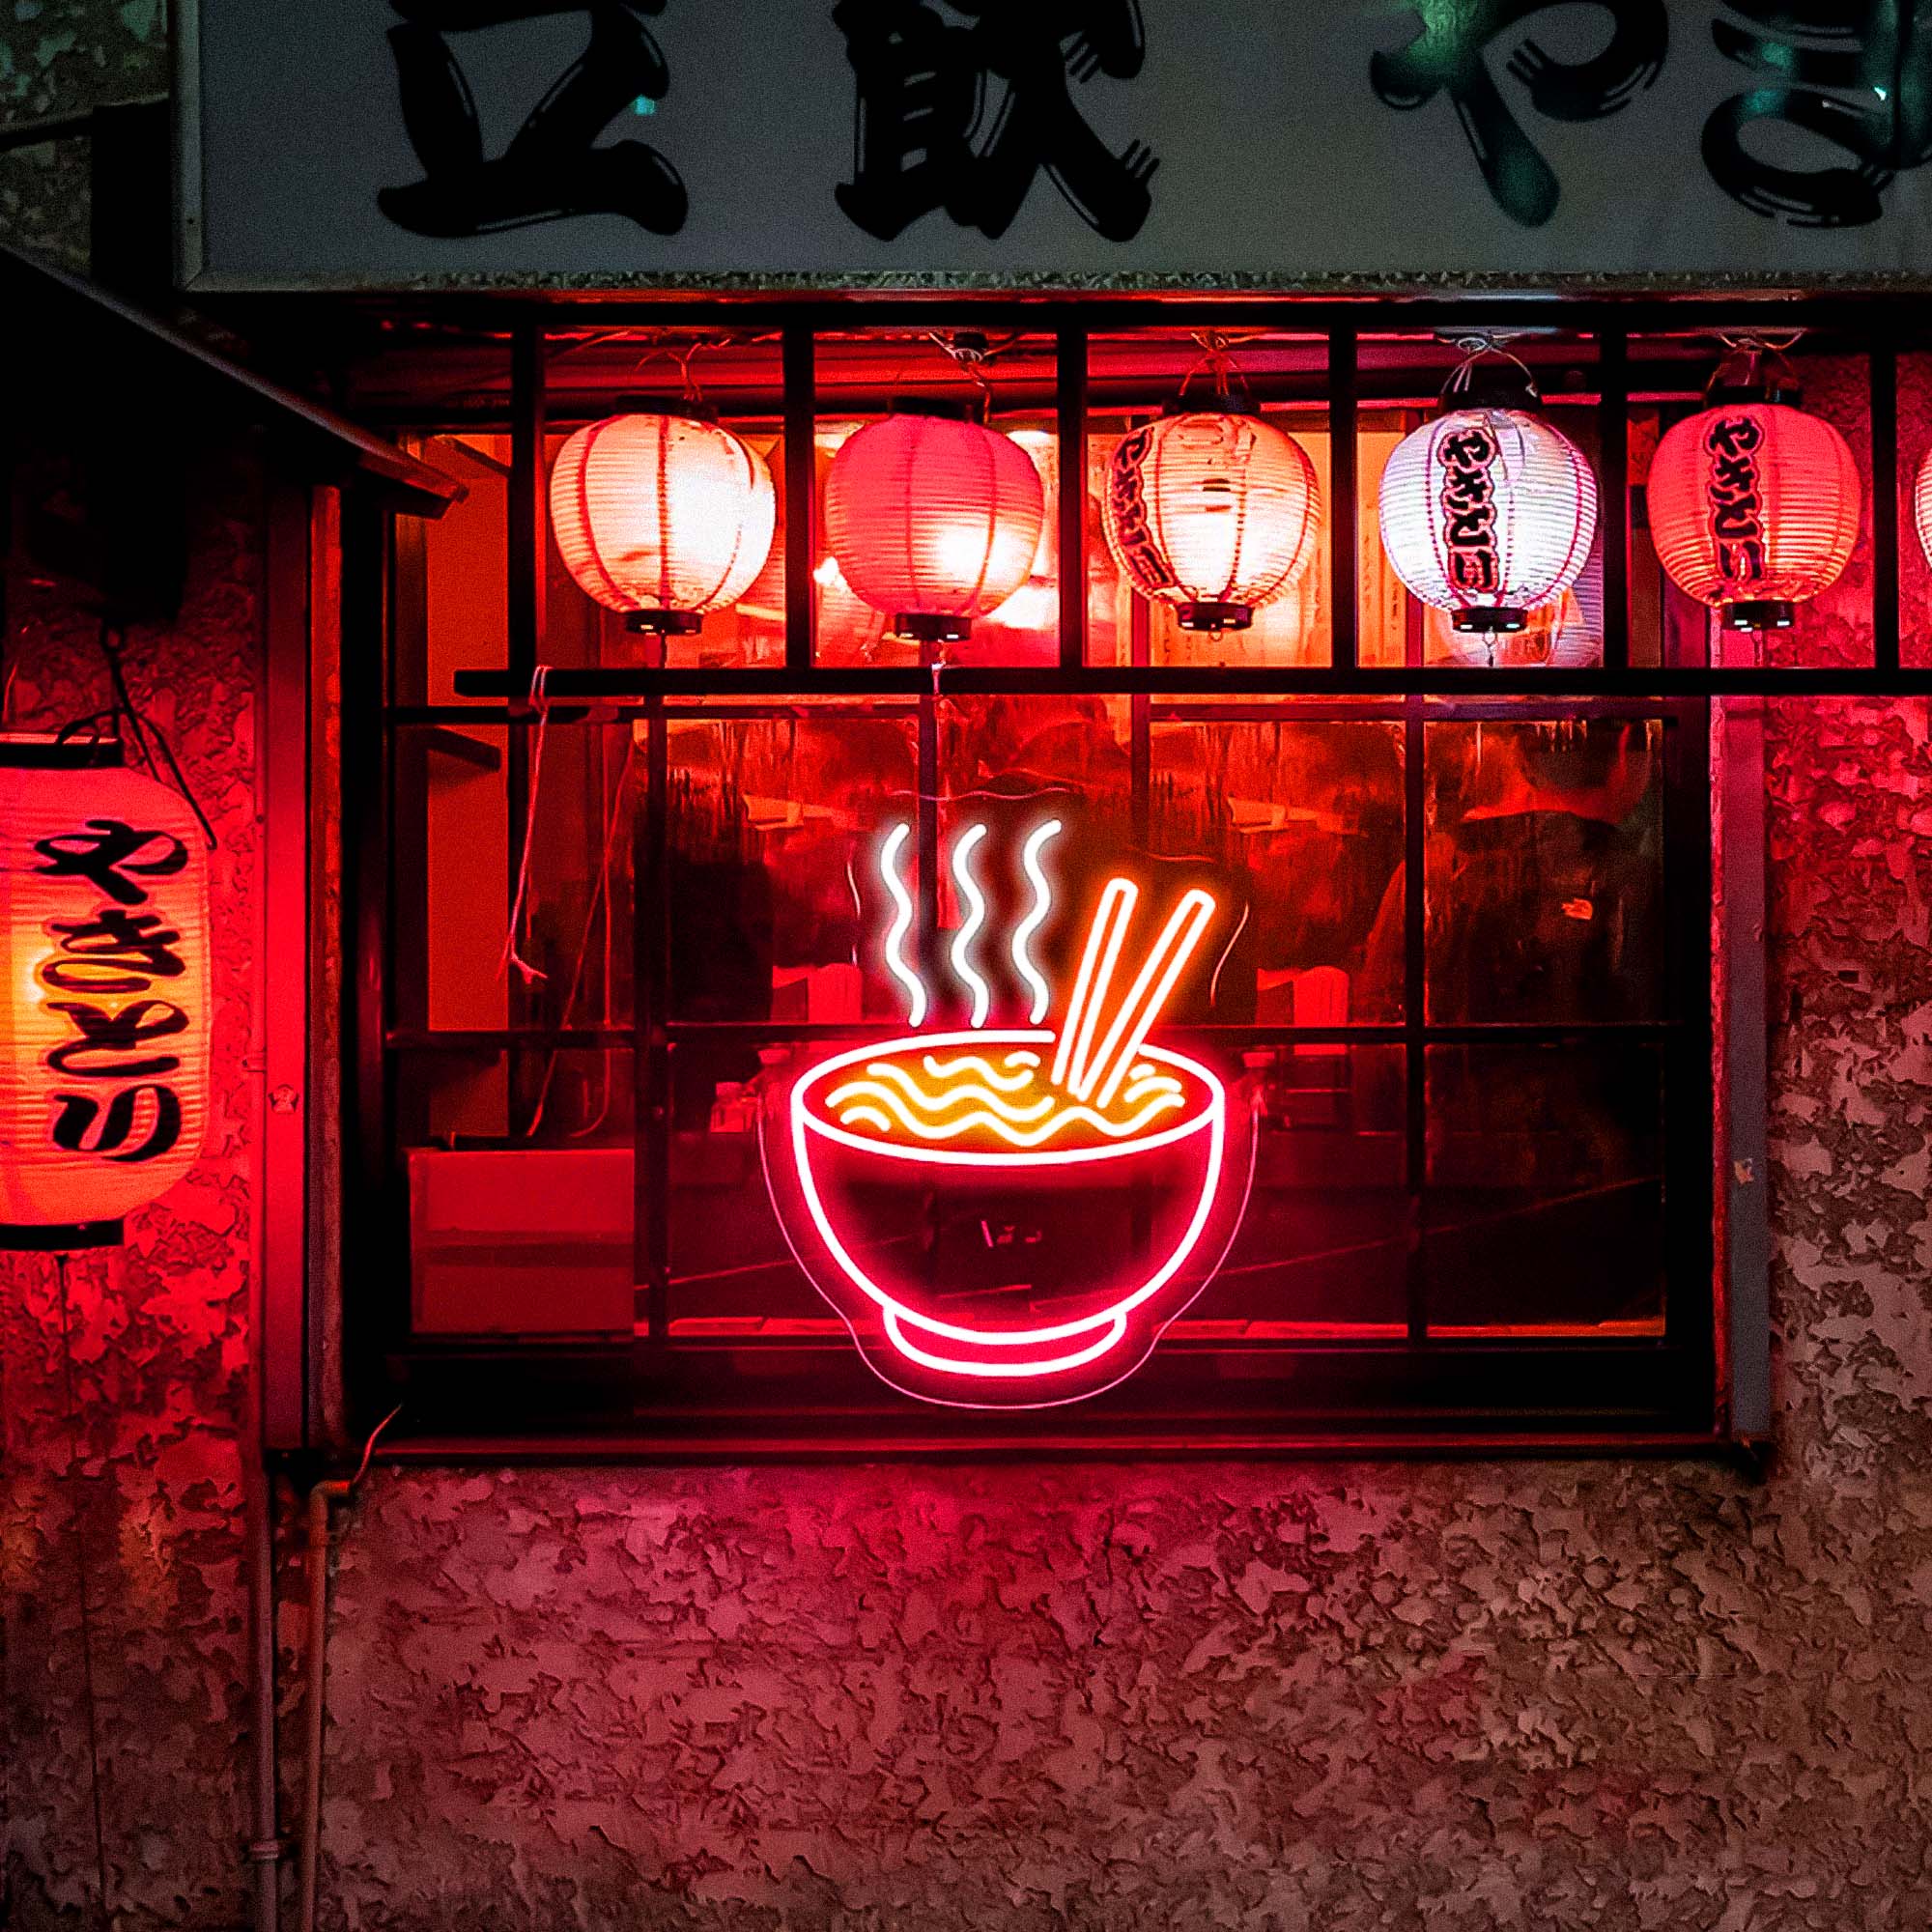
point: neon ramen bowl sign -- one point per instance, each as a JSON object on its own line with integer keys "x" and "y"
{"x": 1010, "y": 1216}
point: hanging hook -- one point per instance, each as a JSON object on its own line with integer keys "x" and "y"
{"x": 1475, "y": 345}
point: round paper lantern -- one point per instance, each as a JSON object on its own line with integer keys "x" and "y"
{"x": 662, "y": 517}
{"x": 1214, "y": 513}
{"x": 104, "y": 1045}
{"x": 934, "y": 520}
{"x": 1755, "y": 507}
{"x": 1487, "y": 514}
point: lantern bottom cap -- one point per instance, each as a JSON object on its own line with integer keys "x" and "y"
{"x": 1487, "y": 620}
{"x": 54, "y": 1237}
{"x": 932, "y": 627}
{"x": 665, "y": 623}
{"x": 1764, "y": 614}
{"x": 1217, "y": 616}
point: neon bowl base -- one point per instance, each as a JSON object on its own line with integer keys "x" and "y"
{"x": 1002, "y": 1277}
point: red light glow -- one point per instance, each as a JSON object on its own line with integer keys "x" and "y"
{"x": 1087, "y": 1165}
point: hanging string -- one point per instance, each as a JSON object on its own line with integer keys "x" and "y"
{"x": 84, "y": 1570}
{"x": 599, "y": 896}
{"x": 1755, "y": 349}
{"x": 1474, "y": 349}
{"x": 124, "y": 719}
{"x": 539, "y": 696}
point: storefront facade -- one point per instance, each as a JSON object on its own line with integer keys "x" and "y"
{"x": 1541, "y": 1106}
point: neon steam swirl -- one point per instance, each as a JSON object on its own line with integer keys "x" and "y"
{"x": 895, "y": 959}
{"x": 1043, "y": 904}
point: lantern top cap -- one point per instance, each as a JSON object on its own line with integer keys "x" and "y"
{"x": 679, "y": 409}
{"x": 941, "y": 409}
{"x": 53, "y": 752}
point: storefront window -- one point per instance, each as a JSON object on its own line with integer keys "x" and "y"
{"x": 1460, "y": 995}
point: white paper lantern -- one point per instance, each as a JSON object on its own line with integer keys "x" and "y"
{"x": 104, "y": 1036}
{"x": 1488, "y": 513}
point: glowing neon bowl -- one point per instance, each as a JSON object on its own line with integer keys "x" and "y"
{"x": 972, "y": 1267}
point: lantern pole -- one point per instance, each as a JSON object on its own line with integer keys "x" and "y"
{"x": 1344, "y": 561}
{"x": 1613, "y": 491}
{"x": 1884, "y": 365}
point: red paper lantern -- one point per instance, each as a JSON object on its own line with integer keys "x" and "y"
{"x": 1755, "y": 507}
{"x": 932, "y": 521}
{"x": 661, "y": 517}
{"x": 1212, "y": 512}
{"x": 103, "y": 1046}
{"x": 1488, "y": 513}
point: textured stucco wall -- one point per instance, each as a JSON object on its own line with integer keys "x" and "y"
{"x": 58, "y": 58}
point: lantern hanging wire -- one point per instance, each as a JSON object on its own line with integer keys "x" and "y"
{"x": 123, "y": 720}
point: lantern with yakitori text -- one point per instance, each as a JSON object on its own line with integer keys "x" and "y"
{"x": 662, "y": 517}
{"x": 1754, "y": 508}
{"x": 934, "y": 520}
{"x": 1488, "y": 513}
{"x": 104, "y": 1034}
{"x": 1213, "y": 511}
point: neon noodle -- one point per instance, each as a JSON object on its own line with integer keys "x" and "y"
{"x": 976, "y": 918}
{"x": 1022, "y": 1059}
{"x": 1104, "y": 939}
{"x": 887, "y": 1070}
{"x": 1023, "y": 932}
{"x": 853, "y": 1116}
{"x": 1032, "y": 1133}
{"x": 1142, "y": 1006}
{"x": 910, "y": 1092}
{"x": 972, "y": 1062}
{"x": 895, "y": 960}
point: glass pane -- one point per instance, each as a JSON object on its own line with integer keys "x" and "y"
{"x": 456, "y": 880}
{"x": 1544, "y": 1208}
{"x": 1544, "y": 872}
{"x": 519, "y": 1171}
{"x": 773, "y": 822}
{"x": 1306, "y": 819}
{"x": 1323, "y": 1243}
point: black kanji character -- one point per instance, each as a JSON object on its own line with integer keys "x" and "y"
{"x": 80, "y": 1112}
{"x": 929, "y": 135}
{"x": 553, "y": 167}
{"x": 113, "y": 951}
{"x": 104, "y": 1034}
{"x": 112, "y": 855}
{"x": 1450, "y": 54}
{"x": 1878, "y": 56}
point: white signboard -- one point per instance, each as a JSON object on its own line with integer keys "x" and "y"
{"x": 422, "y": 144}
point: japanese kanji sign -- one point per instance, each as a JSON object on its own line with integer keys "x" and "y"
{"x": 417, "y": 143}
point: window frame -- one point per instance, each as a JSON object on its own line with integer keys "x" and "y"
{"x": 1424, "y": 1396}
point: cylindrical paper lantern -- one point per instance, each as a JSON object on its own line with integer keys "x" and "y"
{"x": 934, "y": 520}
{"x": 1486, "y": 514}
{"x": 662, "y": 517}
{"x": 1755, "y": 507}
{"x": 1214, "y": 513}
{"x": 105, "y": 1032}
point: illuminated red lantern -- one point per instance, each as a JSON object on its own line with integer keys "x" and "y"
{"x": 103, "y": 1047}
{"x": 1212, "y": 512}
{"x": 1488, "y": 513}
{"x": 934, "y": 520}
{"x": 662, "y": 517}
{"x": 1755, "y": 507}
{"x": 1922, "y": 506}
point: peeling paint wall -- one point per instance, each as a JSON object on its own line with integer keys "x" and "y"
{"x": 1594, "y": 1696}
